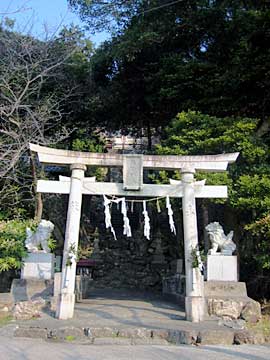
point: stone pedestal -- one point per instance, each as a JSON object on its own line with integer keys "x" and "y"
{"x": 39, "y": 266}
{"x": 57, "y": 290}
{"x": 229, "y": 300}
{"x": 195, "y": 308}
{"x": 221, "y": 289}
{"x": 66, "y": 310}
{"x": 195, "y": 304}
{"x": 29, "y": 289}
{"x": 221, "y": 268}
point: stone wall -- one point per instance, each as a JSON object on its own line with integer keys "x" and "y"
{"x": 128, "y": 262}
{"x": 135, "y": 262}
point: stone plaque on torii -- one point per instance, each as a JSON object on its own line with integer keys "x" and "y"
{"x": 133, "y": 164}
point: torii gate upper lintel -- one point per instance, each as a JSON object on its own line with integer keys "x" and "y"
{"x": 133, "y": 164}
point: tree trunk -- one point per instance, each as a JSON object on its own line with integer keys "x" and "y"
{"x": 37, "y": 196}
{"x": 205, "y": 216}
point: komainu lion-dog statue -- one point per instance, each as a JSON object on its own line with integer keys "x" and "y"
{"x": 220, "y": 241}
{"x": 35, "y": 240}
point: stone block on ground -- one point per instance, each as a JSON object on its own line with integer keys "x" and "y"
{"x": 251, "y": 312}
{"x": 248, "y": 337}
{"x": 160, "y": 334}
{"x": 27, "y": 289}
{"x": 101, "y": 332}
{"x": 30, "y": 332}
{"x": 225, "y": 308}
{"x": 140, "y": 333}
{"x": 239, "y": 324}
{"x": 224, "y": 288}
{"x": 229, "y": 300}
{"x": 187, "y": 337}
{"x": 26, "y": 310}
{"x": 67, "y": 333}
{"x": 215, "y": 337}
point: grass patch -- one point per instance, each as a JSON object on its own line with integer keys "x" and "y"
{"x": 70, "y": 338}
{"x": 5, "y": 319}
{"x": 262, "y": 326}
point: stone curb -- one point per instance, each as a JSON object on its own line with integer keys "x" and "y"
{"x": 141, "y": 336}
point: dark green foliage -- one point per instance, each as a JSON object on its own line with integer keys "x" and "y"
{"x": 12, "y": 248}
{"x": 248, "y": 205}
{"x": 194, "y": 133}
{"x": 260, "y": 229}
{"x": 166, "y": 57}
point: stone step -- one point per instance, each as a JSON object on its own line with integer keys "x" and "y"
{"x": 140, "y": 336}
{"x": 137, "y": 336}
{"x": 225, "y": 288}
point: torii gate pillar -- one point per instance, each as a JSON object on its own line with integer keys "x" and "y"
{"x": 194, "y": 301}
{"x": 66, "y": 300}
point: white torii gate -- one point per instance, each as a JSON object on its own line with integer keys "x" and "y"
{"x": 133, "y": 164}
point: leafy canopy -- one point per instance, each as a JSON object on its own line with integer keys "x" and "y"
{"x": 248, "y": 179}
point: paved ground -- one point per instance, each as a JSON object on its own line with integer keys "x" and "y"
{"x": 121, "y": 308}
{"x": 33, "y": 349}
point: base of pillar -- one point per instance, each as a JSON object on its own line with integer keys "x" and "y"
{"x": 195, "y": 308}
{"x": 65, "y": 306}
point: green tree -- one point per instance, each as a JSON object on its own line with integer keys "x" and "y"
{"x": 42, "y": 90}
{"x": 12, "y": 248}
{"x": 164, "y": 57}
{"x": 247, "y": 207}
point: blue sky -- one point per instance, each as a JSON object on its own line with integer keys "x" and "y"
{"x": 34, "y": 16}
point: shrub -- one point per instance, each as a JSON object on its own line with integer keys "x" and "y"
{"x": 12, "y": 243}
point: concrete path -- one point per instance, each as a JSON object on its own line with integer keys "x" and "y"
{"x": 33, "y": 349}
{"x": 129, "y": 317}
{"x": 124, "y": 309}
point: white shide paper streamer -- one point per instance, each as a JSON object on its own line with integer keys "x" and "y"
{"x": 126, "y": 227}
{"x": 170, "y": 214}
{"x": 108, "y": 219}
{"x": 146, "y": 222}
